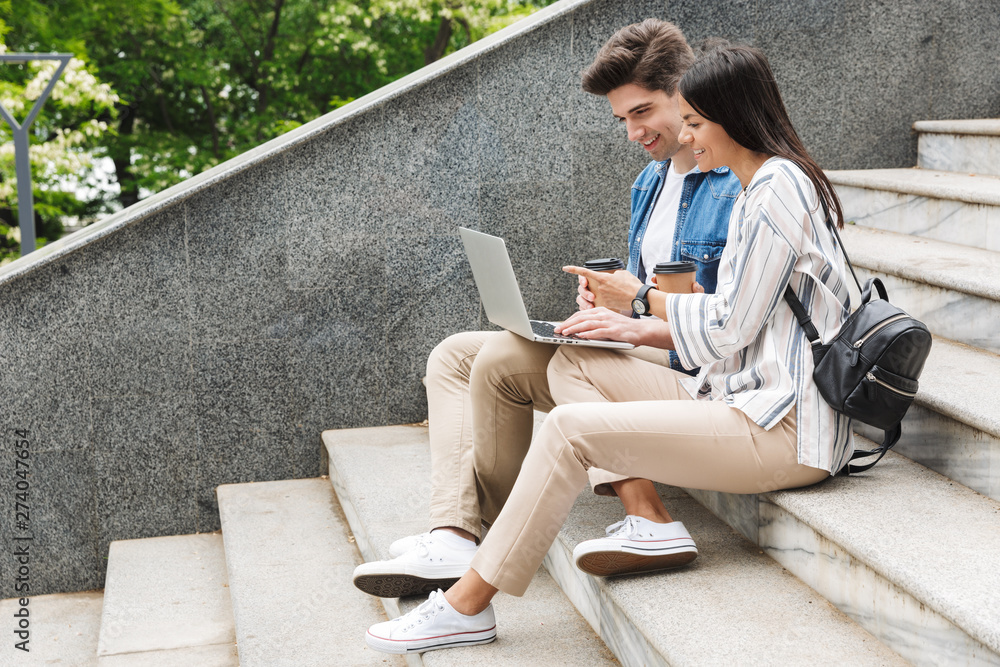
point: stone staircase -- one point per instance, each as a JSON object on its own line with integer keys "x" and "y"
{"x": 911, "y": 552}
{"x": 933, "y": 236}
{"x": 274, "y": 589}
{"x": 734, "y": 605}
{"x": 899, "y": 564}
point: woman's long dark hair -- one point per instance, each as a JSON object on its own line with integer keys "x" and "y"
{"x": 734, "y": 87}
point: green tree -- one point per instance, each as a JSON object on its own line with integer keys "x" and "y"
{"x": 201, "y": 81}
{"x": 66, "y": 137}
{"x": 229, "y": 75}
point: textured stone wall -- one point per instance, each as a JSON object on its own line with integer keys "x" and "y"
{"x": 209, "y": 334}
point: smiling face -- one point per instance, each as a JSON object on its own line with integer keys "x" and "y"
{"x": 651, "y": 118}
{"x": 711, "y": 146}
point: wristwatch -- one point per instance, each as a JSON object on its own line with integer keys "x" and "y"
{"x": 640, "y": 304}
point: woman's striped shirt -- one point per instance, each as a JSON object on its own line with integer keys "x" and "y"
{"x": 752, "y": 352}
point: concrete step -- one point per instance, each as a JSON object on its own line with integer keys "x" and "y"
{"x": 953, "y": 426}
{"x": 909, "y": 554}
{"x": 965, "y": 146}
{"x": 166, "y": 602}
{"x": 732, "y": 606}
{"x": 382, "y": 478}
{"x": 63, "y": 630}
{"x": 940, "y": 205}
{"x": 290, "y": 559}
{"x": 953, "y": 289}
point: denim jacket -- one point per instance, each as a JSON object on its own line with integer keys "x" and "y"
{"x": 702, "y": 219}
{"x": 702, "y": 223}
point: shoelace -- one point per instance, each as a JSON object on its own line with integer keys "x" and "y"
{"x": 627, "y": 528}
{"x": 426, "y": 611}
{"x": 422, "y": 547}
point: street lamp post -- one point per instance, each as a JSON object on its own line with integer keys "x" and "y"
{"x": 22, "y": 165}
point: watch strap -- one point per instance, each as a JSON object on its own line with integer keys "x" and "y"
{"x": 641, "y": 296}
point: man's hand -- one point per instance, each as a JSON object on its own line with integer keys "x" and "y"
{"x": 598, "y": 323}
{"x": 584, "y": 297}
{"x": 615, "y": 290}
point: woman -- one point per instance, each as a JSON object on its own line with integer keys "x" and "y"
{"x": 751, "y": 421}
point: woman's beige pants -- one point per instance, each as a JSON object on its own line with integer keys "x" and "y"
{"x": 631, "y": 417}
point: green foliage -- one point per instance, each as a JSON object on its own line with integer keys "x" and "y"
{"x": 65, "y": 138}
{"x": 201, "y": 81}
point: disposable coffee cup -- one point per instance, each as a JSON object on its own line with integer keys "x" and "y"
{"x": 675, "y": 277}
{"x": 606, "y": 265}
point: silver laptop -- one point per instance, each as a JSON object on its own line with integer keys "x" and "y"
{"x": 501, "y": 296}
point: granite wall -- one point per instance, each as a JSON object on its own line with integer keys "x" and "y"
{"x": 210, "y": 333}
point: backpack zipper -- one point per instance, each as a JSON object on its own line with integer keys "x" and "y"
{"x": 875, "y": 329}
{"x": 871, "y": 378}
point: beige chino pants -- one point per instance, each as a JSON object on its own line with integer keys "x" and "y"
{"x": 501, "y": 379}
{"x": 504, "y": 377}
{"x": 630, "y": 417}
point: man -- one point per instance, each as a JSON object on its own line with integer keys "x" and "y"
{"x": 483, "y": 387}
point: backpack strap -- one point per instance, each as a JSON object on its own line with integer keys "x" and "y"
{"x": 796, "y": 305}
{"x": 802, "y": 316}
{"x": 843, "y": 250}
{"x": 891, "y": 438}
{"x": 876, "y": 284}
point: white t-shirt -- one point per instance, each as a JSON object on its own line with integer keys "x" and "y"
{"x": 658, "y": 241}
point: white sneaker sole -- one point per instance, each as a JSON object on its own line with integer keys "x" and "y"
{"x": 605, "y": 558}
{"x": 431, "y": 643}
{"x": 383, "y": 580}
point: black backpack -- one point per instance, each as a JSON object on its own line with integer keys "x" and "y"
{"x": 869, "y": 371}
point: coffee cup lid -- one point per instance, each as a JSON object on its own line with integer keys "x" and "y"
{"x": 675, "y": 267}
{"x": 606, "y": 264}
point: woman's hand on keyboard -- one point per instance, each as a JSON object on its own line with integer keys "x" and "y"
{"x": 601, "y": 323}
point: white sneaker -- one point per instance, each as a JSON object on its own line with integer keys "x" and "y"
{"x": 404, "y": 544}
{"x": 432, "y": 563}
{"x": 636, "y": 545}
{"x": 434, "y": 624}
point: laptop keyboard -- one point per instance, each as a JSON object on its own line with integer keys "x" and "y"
{"x": 547, "y": 330}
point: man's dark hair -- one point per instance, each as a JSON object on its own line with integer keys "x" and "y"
{"x": 652, "y": 54}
